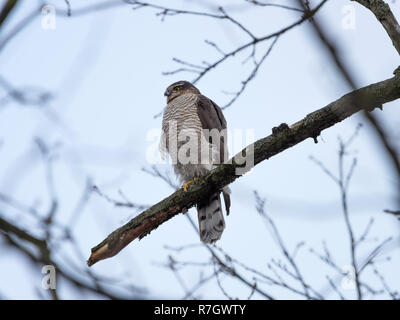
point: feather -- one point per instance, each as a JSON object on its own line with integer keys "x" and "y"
{"x": 211, "y": 219}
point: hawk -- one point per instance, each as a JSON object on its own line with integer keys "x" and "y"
{"x": 194, "y": 135}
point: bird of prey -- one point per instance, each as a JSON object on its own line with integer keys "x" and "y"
{"x": 194, "y": 135}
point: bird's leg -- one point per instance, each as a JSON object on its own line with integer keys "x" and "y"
{"x": 187, "y": 184}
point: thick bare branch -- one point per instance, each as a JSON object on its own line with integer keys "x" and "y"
{"x": 283, "y": 137}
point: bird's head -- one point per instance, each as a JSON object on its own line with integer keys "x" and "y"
{"x": 179, "y": 88}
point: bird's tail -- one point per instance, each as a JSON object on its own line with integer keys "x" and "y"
{"x": 211, "y": 219}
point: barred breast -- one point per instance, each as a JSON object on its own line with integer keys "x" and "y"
{"x": 183, "y": 112}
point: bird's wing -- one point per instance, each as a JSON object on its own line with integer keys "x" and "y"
{"x": 211, "y": 117}
{"x": 210, "y": 114}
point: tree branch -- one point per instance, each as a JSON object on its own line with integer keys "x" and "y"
{"x": 6, "y": 10}
{"x": 283, "y": 137}
{"x": 385, "y": 16}
{"x": 337, "y": 59}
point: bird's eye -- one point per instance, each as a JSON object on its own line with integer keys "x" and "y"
{"x": 177, "y": 88}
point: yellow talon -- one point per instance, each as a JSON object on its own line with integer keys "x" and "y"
{"x": 187, "y": 184}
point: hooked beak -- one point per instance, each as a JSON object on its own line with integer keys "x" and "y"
{"x": 167, "y": 93}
